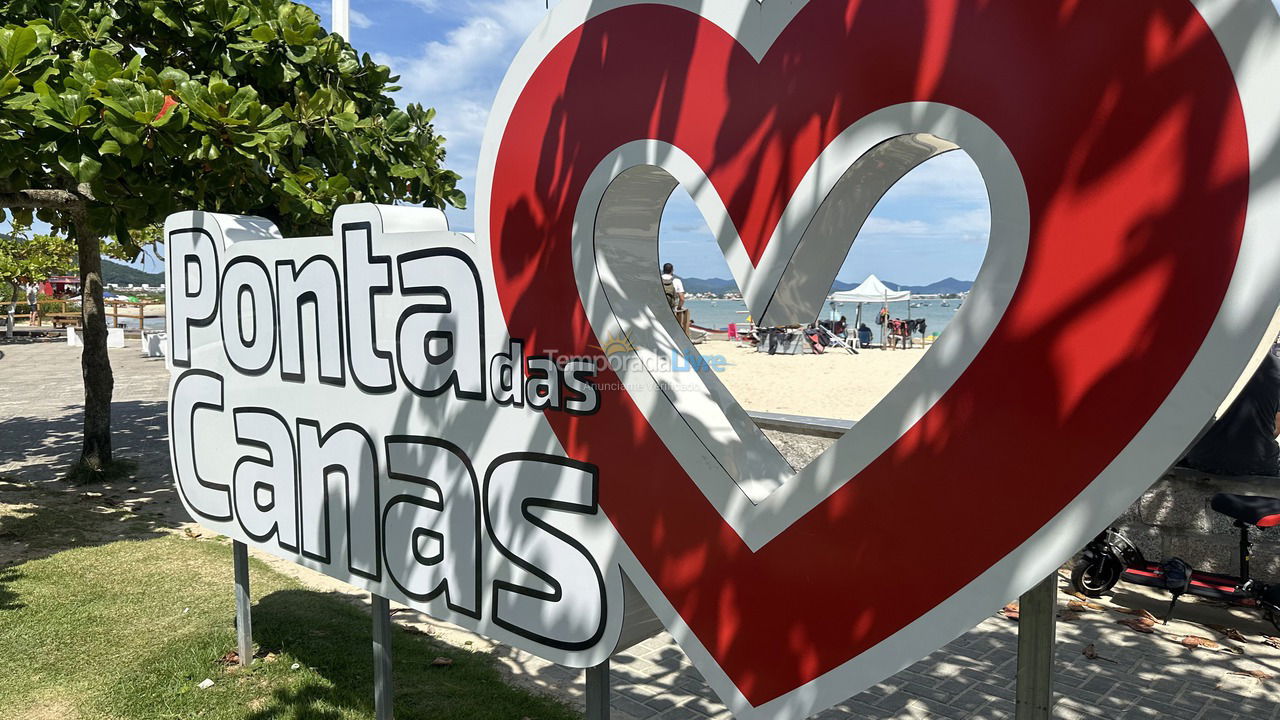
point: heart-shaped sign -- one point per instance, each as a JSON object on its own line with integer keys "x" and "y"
{"x": 1128, "y": 284}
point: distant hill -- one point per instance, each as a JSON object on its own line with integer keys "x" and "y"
{"x": 941, "y": 287}
{"x": 949, "y": 286}
{"x": 121, "y": 274}
{"x": 711, "y": 285}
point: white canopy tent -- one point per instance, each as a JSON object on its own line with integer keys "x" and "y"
{"x": 871, "y": 291}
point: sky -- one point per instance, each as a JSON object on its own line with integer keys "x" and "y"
{"x": 452, "y": 55}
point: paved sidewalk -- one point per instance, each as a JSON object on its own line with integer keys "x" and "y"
{"x": 1135, "y": 675}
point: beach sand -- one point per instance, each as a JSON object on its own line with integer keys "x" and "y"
{"x": 832, "y": 385}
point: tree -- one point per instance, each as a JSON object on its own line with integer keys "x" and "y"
{"x": 116, "y": 113}
{"x": 27, "y": 258}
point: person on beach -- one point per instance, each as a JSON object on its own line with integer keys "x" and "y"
{"x": 1243, "y": 440}
{"x": 33, "y": 309}
{"x": 864, "y": 336}
{"x": 673, "y": 288}
{"x": 841, "y": 327}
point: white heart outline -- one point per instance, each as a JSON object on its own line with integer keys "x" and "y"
{"x": 726, "y": 442}
{"x": 1249, "y": 33}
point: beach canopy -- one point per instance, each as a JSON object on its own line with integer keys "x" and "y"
{"x": 870, "y": 291}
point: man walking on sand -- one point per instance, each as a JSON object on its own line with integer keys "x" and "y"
{"x": 673, "y": 288}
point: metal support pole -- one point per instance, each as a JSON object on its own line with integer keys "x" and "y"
{"x": 598, "y": 692}
{"x": 383, "y": 691}
{"x": 244, "y": 616}
{"x": 342, "y": 17}
{"x": 1037, "y": 618}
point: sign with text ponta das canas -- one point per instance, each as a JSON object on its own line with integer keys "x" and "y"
{"x": 490, "y": 428}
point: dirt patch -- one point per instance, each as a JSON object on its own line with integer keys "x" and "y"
{"x": 50, "y": 707}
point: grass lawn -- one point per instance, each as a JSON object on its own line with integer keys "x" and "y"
{"x": 129, "y": 629}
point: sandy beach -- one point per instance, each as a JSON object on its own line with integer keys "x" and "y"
{"x": 834, "y": 384}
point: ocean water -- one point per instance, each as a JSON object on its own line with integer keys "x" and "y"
{"x": 717, "y": 314}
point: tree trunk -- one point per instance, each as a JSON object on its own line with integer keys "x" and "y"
{"x": 95, "y": 364}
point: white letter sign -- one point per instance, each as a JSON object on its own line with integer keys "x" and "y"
{"x": 425, "y": 414}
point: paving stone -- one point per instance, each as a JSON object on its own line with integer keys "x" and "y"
{"x": 971, "y": 678}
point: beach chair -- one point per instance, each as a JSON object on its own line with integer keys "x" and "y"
{"x": 834, "y": 340}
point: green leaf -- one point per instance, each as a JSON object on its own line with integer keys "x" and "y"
{"x": 338, "y": 184}
{"x": 264, "y": 33}
{"x": 292, "y": 187}
{"x": 105, "y": 66}
{"x": 346, "y": 121}
{"x": 17, "y": 46}
{"x": 171, "y": 78}
{"x": 70, "y": 24}
{"x": 161, "y": 12}
{"x": 109, "y": 147}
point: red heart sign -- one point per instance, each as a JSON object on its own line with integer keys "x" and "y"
{"x": 1132, "y": 135}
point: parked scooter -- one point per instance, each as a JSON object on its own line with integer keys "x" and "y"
{"x": 1110, "y": 558}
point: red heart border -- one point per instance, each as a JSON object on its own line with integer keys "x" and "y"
{"x": 1105, "y": 404}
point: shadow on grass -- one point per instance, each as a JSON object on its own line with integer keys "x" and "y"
{"x": 8, "y": 598}
{"x": 42, "y": 513}
{"x": 326, "y": 633}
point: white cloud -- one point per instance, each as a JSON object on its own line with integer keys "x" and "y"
{"x": 425, "y": 5}
{"x": 360, "y": 20}
{"x": 459, "y": 75}
{"x": 971, "y": 224}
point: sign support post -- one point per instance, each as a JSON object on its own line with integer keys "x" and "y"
{"x": 383, "y": 691}
{"x": 598, "y": 692}
{"x": 244, "y": 618}
{"x": 1037, "y": 621}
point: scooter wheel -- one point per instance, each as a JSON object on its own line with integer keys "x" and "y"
{"x": 1094, "y": 578}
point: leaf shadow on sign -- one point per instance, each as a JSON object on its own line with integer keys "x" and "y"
{"x": 42, "y": 514}
{"x": 331, "y": 635}
{"x": 1074, "y": 92}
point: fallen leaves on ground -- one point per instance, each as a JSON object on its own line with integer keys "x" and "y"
{"x": 1091, "y": 652}
{"x": 1195, "y": 641}
{"x": 1068, "y": 615}
{"x": 230, "y": 657}
{"x": 442, "y": 662}
{"x": 1084, "y": 606}
{"x": 1010, "y": 611}
{"x": 1258, "y": 674}
{"x": 1137, "y": 611}
{"x": 1229, "y": 633}
{"x": 1273, "y": 642}
{"x": 1140, "y": 624}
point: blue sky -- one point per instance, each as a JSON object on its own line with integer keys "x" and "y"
{"x": 452, "y": 55}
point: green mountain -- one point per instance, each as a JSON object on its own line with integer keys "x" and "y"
{"x": 721, "y": 286}
{"x": 121, "y": 274}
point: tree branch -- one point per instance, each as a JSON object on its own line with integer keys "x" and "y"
{"x": 45, "y": 198}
